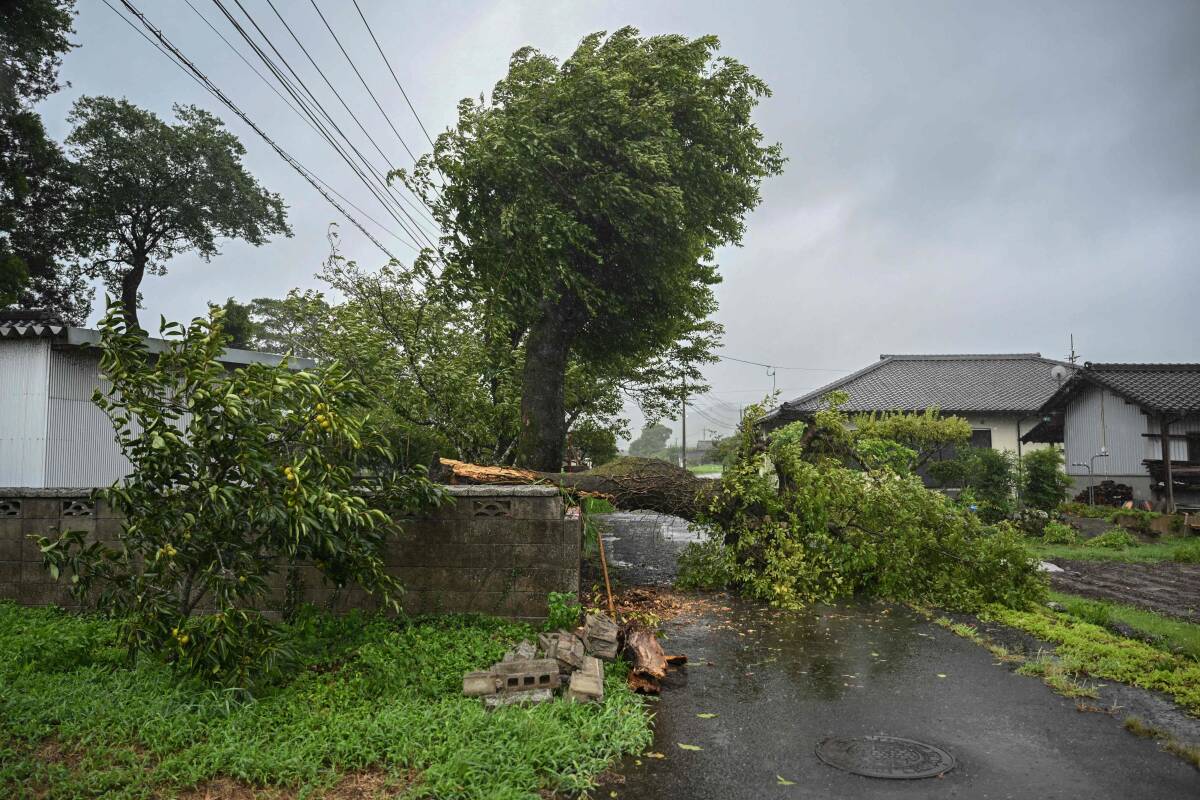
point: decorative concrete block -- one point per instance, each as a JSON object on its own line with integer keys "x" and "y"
{"x": 587, "y": 684}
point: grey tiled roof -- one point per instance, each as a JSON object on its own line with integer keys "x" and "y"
{"x": 1154, "y": 387}
{"x": 1007, "y": 382}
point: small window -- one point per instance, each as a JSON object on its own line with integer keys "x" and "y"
{"x": 981, "y": 437}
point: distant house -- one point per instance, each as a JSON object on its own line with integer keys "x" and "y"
{"x": 51, "y": 434}
{"x": 1113, "y": 416}
{"x": 1000, "y": 395}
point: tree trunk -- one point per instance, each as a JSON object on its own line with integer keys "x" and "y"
{"x": 543, "y": 409}
{"x": 631, "y": 484}
{"x": 130, "y": 282}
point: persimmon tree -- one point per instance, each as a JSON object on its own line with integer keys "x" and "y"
{"x": 237, "y": 476}
{"x": 582, "y": 204}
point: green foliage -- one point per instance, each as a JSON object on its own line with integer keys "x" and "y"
{"x": 36, "y": 181}
{"x": 1142, "y": 553}
{"x": 989, "y": 474}
{"x": 651, "y": 442}
{"x": 1188, "y": 553}
{"x": 1112, "y": 539}
{"x": 1134, "y": 519}
{"x": 798, "y": 528}
{"x": 706, "y": 564}
{"x": 237, "y": 475}
{"x": 150, "y": 190}
{"x": 1045, "y": 483}
{"x": 374, "y": 694}
{"x": 583, "y": 203}
{"x": 1059, "y": 533}
{"x": 1084, "y": 510}
{"x": 923, "y": 435}
{"x": 564, "y": 611}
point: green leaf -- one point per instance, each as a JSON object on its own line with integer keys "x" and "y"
{"x": 782, "y": 781}
{"x": 706, "y": 715}
{"x": 683, "y": 746}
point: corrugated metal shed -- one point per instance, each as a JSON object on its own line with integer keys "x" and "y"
{"x": 24, "y": 376}
{"x": 51, "y": 434}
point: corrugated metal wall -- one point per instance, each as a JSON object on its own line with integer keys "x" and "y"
{"x": 81, "y": 449}
{"x": 24, "y": 368}
{"x": 1098, "y": 418}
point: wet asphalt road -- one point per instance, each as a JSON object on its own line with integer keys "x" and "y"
{"x": 780, "y": 682}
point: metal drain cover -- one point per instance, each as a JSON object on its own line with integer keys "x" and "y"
{"x": 885, "y": 757}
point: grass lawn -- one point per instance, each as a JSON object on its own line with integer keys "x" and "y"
{"x": 377, "y": 703}
{"x": 1158, "y": 551}
{"x": 1172, "y": 634}
{"x": 705, "y": 469}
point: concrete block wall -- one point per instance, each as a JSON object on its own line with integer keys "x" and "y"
{"x": 494, "y": 549}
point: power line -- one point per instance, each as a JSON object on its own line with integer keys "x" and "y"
{"x": 338, "y": 95}
{"x": 776, "y": 366}
{"x": 397, "y": 80}
{"x": 380, "y": 189}
{"x": 285, "y": 101}
{"x": 179, "y": 59}
{"x": 362, "y": 80}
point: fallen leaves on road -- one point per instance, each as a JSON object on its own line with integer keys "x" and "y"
{"x": 706, "y": 715}
{"x": 782, "y": 781}
{"x": 683, "y": 746}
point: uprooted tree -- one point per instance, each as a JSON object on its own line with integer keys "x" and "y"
{"x": 821, "y": 509}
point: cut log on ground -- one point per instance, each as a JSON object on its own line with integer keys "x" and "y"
{"x": 630, "y": 484}
{"x": 648, "y": 661}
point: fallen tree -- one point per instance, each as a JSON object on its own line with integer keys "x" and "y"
{"x": 630, "y": 483}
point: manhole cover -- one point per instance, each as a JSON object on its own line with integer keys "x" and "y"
{"x": 885, "y": 757}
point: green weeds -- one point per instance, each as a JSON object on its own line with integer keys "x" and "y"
{"x": 374, "y": 694}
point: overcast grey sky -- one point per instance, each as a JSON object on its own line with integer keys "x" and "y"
{"x": 963, "y": 177}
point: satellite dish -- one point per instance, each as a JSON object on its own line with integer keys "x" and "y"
{"x": 1058, "y": 372}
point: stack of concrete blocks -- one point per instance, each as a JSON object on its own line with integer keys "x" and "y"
{"x": 521, "y": 677}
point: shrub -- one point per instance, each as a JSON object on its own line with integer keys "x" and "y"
{"x": 564, "y": 611}
{"x": 798, "y": 528}
{"x": 706, "y": 564}
{"x": 1059, "y": 533}
{"x": 1113, "y": 539}
{"x": 237, "y": 475}
{"x": 1188, "y": 553}
{"x": 1045, "y": 483}
{"x": 1134, "y": 519}
{"x": 1032, "y": 521}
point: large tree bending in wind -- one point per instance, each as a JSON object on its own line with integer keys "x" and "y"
{"x": 149, "y": 190}
{"x": 583, "y": 203}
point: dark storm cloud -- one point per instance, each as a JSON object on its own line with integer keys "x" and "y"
{"x": 963, "y": 176}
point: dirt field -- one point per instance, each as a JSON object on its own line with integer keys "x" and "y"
{"x": 1164, "y": 586}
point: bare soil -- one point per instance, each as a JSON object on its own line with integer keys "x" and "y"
{"x": 1164, "y": 587}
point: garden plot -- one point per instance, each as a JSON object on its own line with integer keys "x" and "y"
{"x": 1164, "y": 587}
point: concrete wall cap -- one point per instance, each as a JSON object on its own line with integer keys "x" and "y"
{"x": 502, "y": 491}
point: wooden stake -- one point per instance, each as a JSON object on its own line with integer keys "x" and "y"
{"x": 612, "y": 608}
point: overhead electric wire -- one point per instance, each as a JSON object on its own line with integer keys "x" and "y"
{"x": 361, "y": 80}
{"x": 399, "y": 86}
{"x": 380, "y": 189}
{"x": 776, "y": 366}
{"x": 388, "y": 185}
{"x": 286, "y": 102}
{"x": 177, "y": 57}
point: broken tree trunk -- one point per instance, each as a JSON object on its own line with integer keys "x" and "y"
{"x": 630, "y": 484}
{"x": 647, "y": 659}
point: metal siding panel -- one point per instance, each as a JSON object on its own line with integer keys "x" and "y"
{"x": 23, "y": 382}
{"x": 82, "y": 450}
{"x": 1179, "y": 451}
{"x": 1097, "y": 418}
